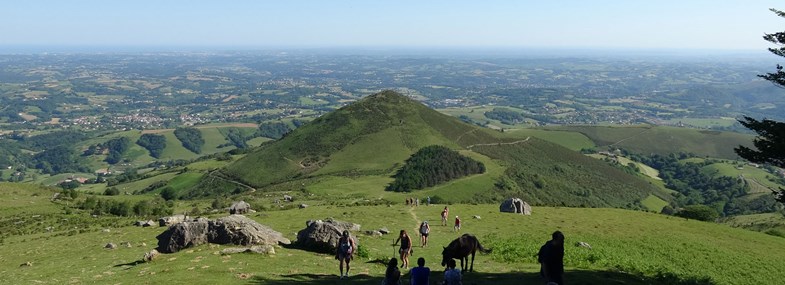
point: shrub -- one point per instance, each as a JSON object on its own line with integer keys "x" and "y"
{"x": 168, "y": 193}
{"x": 363, "y": 252}
{"x": 698, "y": 212}
{"x": 112, "y": 191}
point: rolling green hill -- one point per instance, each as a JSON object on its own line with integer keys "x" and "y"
{"x": 371, "y": 135}
{"x": 647, "y": 139}
{"x": 371, "y": 139}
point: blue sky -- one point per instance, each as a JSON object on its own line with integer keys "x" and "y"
{"x": 668, "y": 24}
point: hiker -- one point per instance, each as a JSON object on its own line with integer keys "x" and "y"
{"x": 392, "y": 276}
{"x": 419, "y": 275}
{"x": 425, "y": 229}
{"x": 551, "y": 258}
{"x": 417, "y": 201}
{"x": 445, "y": 213}
{"x": 452, "y": 276}
{"x": 346, "y": 247}
{"x": 457, "y": 226}
{"x": 406, "y": 248}
{"x": 428, "y": 201}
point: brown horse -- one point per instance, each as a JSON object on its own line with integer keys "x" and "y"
{"x": 461, "y": 248}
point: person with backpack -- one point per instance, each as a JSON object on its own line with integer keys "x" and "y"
{"x": 457, "y": 226}
{"x": 344, "y": 253}
{"x": 425, "y": 229}
{"x": 445, "y": 214}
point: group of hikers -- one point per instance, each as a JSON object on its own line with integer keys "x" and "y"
{"x": 550, "y": 257}
{"x": 411, "y": 201}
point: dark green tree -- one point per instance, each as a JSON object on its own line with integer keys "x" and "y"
{"x": 770, "y": 142}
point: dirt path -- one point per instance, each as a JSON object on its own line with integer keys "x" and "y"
{"x": 231, "y": 181}
{"x": 491, "y": 144}
{"x": 463, "y": 134}
{"x": 631, "y": 137}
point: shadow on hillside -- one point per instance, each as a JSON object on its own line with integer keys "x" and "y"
{"x": 572, "y": 277}
{"x": 130, "y": 264}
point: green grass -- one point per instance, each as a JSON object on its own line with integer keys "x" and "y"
{"x": 629, "y": 247}
{"x": 769, "y": 223}
{"x": 184, "y": 181}
{"x": 571, "y": 140}
{"x": 654, "y": 203}
{"x": 659, "y": 139}
{"x": 756, "y": 177}
{"x": 704, "y": 123}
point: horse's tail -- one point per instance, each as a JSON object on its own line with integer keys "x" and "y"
{"x": 482, "y": 249}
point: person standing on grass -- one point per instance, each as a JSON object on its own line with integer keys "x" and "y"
{"x": 551, "y": 258}
{"x": 419, "y": 275}
{"x": 346, "y": 247}
{"x": 406, "y": 248}
{"x": 457, "y": 226}
{"x": 452, "y": 276}
{"x": 425, "y": 229}
{"x": 445, "y": 214}
{"x": 392, "y": 276}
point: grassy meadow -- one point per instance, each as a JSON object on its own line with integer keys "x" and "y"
{"x": 663, "y": 140}
{"x": 628, "y": 247}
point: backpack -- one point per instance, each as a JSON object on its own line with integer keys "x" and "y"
{"x": 424, "y": 228}
{"x": 346, "y": 247}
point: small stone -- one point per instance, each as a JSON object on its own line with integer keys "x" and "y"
{"x": 149, "y": 256}
{"x": 110, "y": 246}
{"x": 477, "y": 217}
{"x": 583, "y": 244}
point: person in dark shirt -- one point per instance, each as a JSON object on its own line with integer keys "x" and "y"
{"x": 551, "y": 258}
{"x": 346, "y": 246}
{"x": 406, "y": 248}
{"x": 419, "y": 275}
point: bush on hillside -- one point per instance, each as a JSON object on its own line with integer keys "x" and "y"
{"x": 155, "y": 144}
{"x": 698, "y": 212}
{"x": 274, "y": 130}
{"x": 191, "y": 138}
{"x": 433, "y": 165}
{"x": 112, "y": 191}
{"x": 168, "y": 193}
{"x": 117, "y": 147}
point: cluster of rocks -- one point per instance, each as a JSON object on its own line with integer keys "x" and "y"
{"x": 234, "y": 229}
{"x": 147, "y": 223}
{"x": 377, "y": 233}
{"x": 171, "y": 220}
{"x": 323, "y": 235}
{"x": 515, "y": 205}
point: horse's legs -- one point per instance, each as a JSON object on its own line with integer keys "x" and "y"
{"x": 463, "y": 269}
{"x": 471, "y": 269}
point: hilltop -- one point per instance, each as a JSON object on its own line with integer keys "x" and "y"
{"x": 365, "y": 142}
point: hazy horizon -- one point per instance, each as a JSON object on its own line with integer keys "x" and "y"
{"x": 596, "y": 25}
